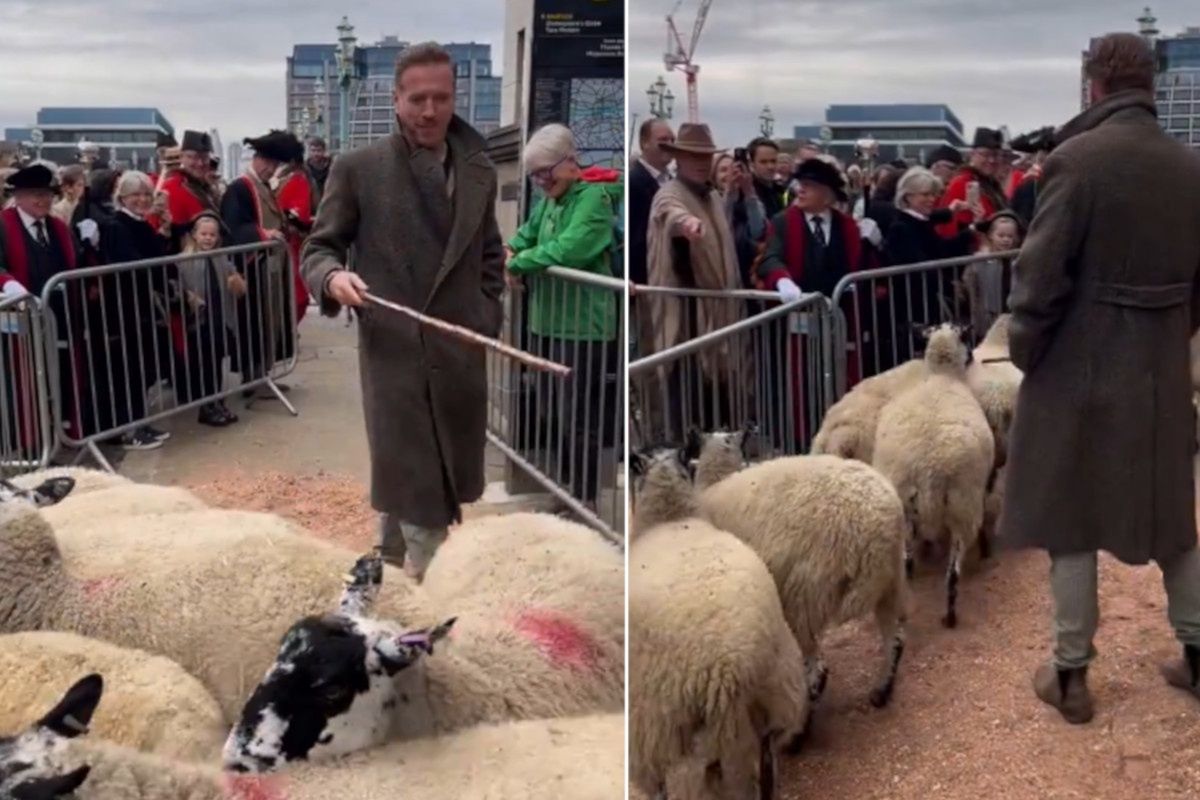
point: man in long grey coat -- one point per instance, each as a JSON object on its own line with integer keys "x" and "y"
{"x": 1104, "y": 302}
{"x": 418, "y": 208}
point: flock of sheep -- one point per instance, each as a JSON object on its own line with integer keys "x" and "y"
{"x": 210, "y": 653}
{"x": 736, "y": 571}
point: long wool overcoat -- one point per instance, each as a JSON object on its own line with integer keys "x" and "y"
{"x": 424, "y": 394}
{"x": 1104, "y": 302}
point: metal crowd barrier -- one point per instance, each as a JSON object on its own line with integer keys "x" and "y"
{"x": 565, "y": 434}
{"x": 116, "y": 333}
{"x": 26, "y": 420}
{"x": 769, "y": 366}
{"x": 877, "y": 312}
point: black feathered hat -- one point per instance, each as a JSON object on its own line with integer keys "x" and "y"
{"x": 944, "y": 152}
{"x": 165, "y": 140}
{"x": 1039, "y": 141}
{"x": 35, "y": 176}
{"x": 276, "y": 145}
{"x": 988, "y": 139}
{"x": 198, "y": 141}
{"x": 820, "y": 171}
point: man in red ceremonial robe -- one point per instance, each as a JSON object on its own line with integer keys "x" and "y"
{"x": 983, "y": 169}
{"x": 188, "y": 189}
{"x": 34, "y": 247}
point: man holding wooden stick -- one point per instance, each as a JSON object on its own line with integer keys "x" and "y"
{"x": 419, "y": 209}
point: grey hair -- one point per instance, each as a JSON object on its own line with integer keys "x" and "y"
{"x": 549, "y": 145}
{"x": 130, "y": 182}
{"x": 916, "y": 179}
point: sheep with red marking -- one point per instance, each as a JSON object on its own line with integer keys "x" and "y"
{"x": 580, "y": 758}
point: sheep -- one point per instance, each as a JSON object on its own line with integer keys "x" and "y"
{"x": 85, "y": 480}
{"x": 47, "y": 493}
{"x": 215, "y": 591}
{"x": 935, "y": 445}
{"x": 995, "y": 381}
{"x": 153, "y": 705}
{"x": 716, "y": 678}
{"x": 543, "y": 559}
{"x": 121, "y": 502}
{"x": 719, "y": 455}
{"x": 848, "y": 428}
{"x": 347, "y": 680}
{"x": 832, "y": 533}
{"x": 579, "y": 758}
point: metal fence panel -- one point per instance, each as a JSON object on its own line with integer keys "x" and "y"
{"x": 26, "y": 419}
{"x": 568, "y": 434}
{"x": 770, "y": 366}
{"x": 116, "y": 333}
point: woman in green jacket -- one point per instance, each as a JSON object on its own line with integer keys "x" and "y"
{"x": 572, "y": 322}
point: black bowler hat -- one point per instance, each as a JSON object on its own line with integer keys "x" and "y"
{"x": 988, "y": 139}
{"x": 276, "y": 145}
{"x": 165, "y": 140}
{"x": 35, "y": 176}
{"x": 944, "y": 153}
{"x": 197, "y": 141}
{"x": 820, "y": 171}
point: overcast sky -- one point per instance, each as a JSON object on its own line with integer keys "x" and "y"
{"x": 216, "y": 63}
{"x": 1015, "y": 62}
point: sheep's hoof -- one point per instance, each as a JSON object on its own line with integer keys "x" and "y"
{"x": 950, "y": 620}
{"x": 881, "y": 696}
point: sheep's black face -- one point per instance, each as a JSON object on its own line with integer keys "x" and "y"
{"x": 32, "y": 765}
{"x": 47, "y": 493}
{"x": 661, "y": 460}
{"x": 329, "y": 692}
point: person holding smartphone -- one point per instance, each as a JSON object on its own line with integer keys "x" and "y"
{"x": 976, "y": 183}
{"x": 745, "y": 210}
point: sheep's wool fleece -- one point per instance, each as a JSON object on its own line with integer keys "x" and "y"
{"x": 213, "y": 590}
{"x": 150, "y": 703}
{"x": 935, "y": 445}
{"x": 831, "y": 532}
{"x": 709, "y": 651}
{"x": 86, "y": 480}
{"x": 848, "y": 429}
{"x": 120, "y": 502}
{"x": 572, "y": 758}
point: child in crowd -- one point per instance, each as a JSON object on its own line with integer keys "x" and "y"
{"x": 986, "y": 284}
{"x": 210, "y": 284}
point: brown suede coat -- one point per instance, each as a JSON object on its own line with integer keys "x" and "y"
{"x": 1103, "y": 305}
{"x": 424, "y": 394}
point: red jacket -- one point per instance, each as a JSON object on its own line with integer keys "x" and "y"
{"x": 990, "y": 198}
{"x": 295, "y": 195}
{"x": 183, "y": 202}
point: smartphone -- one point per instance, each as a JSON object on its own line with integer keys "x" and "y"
{"x": 742, "y": 156}
{"x": 973, "y": 192}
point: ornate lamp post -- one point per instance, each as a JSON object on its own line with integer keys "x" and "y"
{"x": 345, "y": 65}
{"x": 36, "y": 137}
{"x": 662, "y": 101}
{"x": 766, "y": 122}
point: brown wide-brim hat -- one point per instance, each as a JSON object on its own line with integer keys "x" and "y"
{"x": 694, "y": 138}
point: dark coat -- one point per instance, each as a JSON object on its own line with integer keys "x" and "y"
{"x": 424, "y": 394}
{"x": 1104, "y": 302}
{"x": 642, "y": 188}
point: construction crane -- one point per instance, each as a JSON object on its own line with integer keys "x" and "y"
{"x": 680, "y": 57}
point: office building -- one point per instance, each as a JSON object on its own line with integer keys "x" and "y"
{"x": 1177, "y": 83}
{"x": 124, "y": 135}
{"x": 907, "y": 131}
{"x": 315, "y": 95}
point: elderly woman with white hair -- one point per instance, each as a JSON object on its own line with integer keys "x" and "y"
{"x": 127, "y": 316}
{"x": 572, "y": 226}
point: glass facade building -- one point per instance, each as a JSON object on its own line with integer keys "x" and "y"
{"x": 314, "y": 101}
{"x": 125, "y": 135}
{"x": 903, "y": 130}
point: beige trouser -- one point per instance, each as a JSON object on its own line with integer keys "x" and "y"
{"x": 1073, "y": 582}
{"x": 398, "y": 539}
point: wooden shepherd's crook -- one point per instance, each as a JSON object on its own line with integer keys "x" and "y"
{"x": 466, "y": 335}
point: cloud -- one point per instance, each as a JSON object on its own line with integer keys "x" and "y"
{"x": 220, "y": 63}
{"x": 1015, "y": 63}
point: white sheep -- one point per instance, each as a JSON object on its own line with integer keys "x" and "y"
{"x": 152, "y": 704}
{"x": 120, "y": 502}
{"x": 832, "y": 533}
{"x": 848, "y": 428}
{"x": 579, "y": 758}
{"x": 935, "y": 445}
{"x": 715, "y": 675}
{"x": 86, "y": 480}
{"x": 215, "y": 590}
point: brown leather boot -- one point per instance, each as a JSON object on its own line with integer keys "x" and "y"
{"x": 1066, "y": 690}
{"x": 1184, "y": 673}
